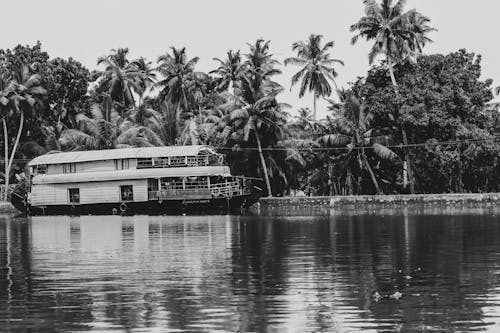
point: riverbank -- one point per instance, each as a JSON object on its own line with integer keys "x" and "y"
{"x": 7, "y": 208}
{"x": 341, "y": 201}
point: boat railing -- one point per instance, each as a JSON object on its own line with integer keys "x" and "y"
{"x": 178, "y": 190}
{"x": 228, "y": 189}
{"x": 178, "y": 161}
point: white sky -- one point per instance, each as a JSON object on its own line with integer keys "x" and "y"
{"x": 87, "y": 29}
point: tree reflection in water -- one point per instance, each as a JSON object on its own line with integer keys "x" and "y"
{"x": 253, "y": 273}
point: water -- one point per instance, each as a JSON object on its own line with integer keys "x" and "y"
{"x": 254, "y": 273}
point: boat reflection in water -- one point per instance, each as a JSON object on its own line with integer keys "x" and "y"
{"x": 249, "y": 273}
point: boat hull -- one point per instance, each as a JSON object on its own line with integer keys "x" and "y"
{"x": 214, "y": 206}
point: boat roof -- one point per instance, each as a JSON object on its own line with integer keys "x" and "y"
{"x": 129, "y": 174}
{"x": 124, "y": 153}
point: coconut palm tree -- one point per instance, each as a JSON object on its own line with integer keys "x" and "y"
{"x": 259, "y": 115}
{"x": 388, "y": 26}
{"x": 177, "y": 71}
{"x": 118, "y": 79}
{"x": 303, "y": 126}
{"x": 260, "y": 65}
{"x": 354, "y": 135}
{"x": 396, "y": 37}
{"x": 95, "y": 132}
{"x": 146, "y": 75}
{"x": 419, "y": 25}
{"x": 20, "y": 91}
{"x": 317, "y": 68}
{"x": 229, "y": 71}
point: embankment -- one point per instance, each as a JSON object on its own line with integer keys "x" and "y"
{"x": 7, "y": 208}
{"x": 343, "y": 201}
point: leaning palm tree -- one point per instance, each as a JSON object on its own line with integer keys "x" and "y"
{"x": 354, "y": 135}
{"x": 317, "y": 68}
{"x": 253, "y": 115}
{"x": 394, "y": 37}
{"x": 259, "y": 115}
{"x": 20, "y": 91}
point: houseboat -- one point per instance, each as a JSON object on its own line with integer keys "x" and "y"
{"x": 152, "y": 180}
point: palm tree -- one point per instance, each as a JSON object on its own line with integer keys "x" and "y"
{"x": 229, "y": 71}
{"x": 118, "y": 79}
{"x": 388, "y": 26}
{"x": 260, "y": 65}
{"x": 146, "y": 76}
{"x": 20, "y": 91}
{"x": 177, "y": 71}
{"x": 419, "y": 25}
{"x": 317, "y": 67}
{"x": 353, "y": 134}
{"x": 303, "y": 126}
{"x": 95, "y": 132}
{"x": 396, "y": 37}
{"x": 217, "y": 124}
{"x": 257, "y": 114}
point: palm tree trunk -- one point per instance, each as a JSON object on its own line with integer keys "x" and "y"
{"x": 331, "y": 190}
{"x": 8, "y": 162}
{"x": 16, "y": 143}
{"x": 403, "y": 131}
{"x": 6, "y": 157}
{"x": 264, "y": 166}
{"x": 372, "y": 174}
{"x": 407, "y": 159}
{"x": 314, "y": 106}
{"x": 350, "y": 187}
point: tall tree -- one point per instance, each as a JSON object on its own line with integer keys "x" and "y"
{"x": 420, "y": 28}
{"x": 355, "y": 134}
{"x": 118, "y": 79}
{"x": 177, "y": 71}
{"x": 20, "y": 91}
{"x": 388, "y": 25}
{"x": 229, "y": 71}
{"x": 146, "y": 75}
{"x": 258, "y": 114}
{"x": 317, "y": 68}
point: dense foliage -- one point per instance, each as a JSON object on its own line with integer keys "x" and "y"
{"x": 426, "y": 121}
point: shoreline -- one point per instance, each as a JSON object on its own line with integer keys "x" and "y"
{"x": 342, "y": 201}
{"x": 7, "y": 208}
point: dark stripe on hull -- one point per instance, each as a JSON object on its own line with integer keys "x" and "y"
{"x": 213, "y": 206}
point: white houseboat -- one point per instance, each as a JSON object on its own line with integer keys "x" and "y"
{"x": 133, "y": 180}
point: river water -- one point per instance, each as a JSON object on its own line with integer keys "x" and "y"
{"x": 393, "y": 269}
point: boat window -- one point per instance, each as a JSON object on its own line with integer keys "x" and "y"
{"x": 41, "y": 169}
{"x": 127, "y": 193}
{"x": 74, "y": 195}
{"x": 69, "y": 167}
{"x": 122, "y": 164}
{"x": 177, "y": 161}
{"x": 144, "y": 163}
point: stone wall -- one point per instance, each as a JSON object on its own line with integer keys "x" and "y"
{"x": 461, "y": 198}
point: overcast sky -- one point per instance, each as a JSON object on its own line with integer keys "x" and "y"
{"x": 87, "y": 29}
